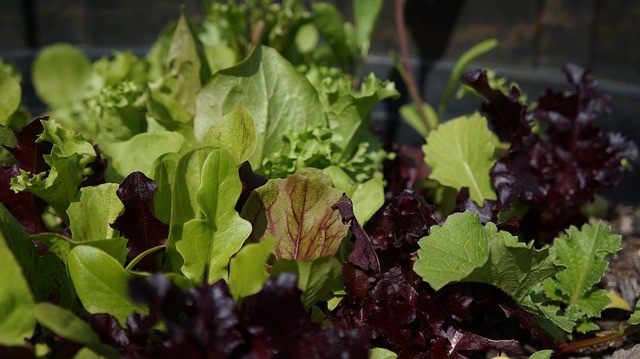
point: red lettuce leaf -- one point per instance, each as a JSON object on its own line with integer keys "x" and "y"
{"x": 363, "y": 255}
{"x": 138, "y": 223}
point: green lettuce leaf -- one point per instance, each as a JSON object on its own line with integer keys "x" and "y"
{"x": 17, "y": 322}
{"x": 217, "y": 232}
{"x": 298, "y": 212}
{"x": 460, "y": 153}
{"x": 279, "y": 99}
{"x": 101, "y": 283}
{"x": 68, "y": 160}
{"x": 235, "y": 132}
{"x": 248, "y": 268}
{"x": 10, "y": 99}
{"x": 316, "y": 278}
{"x": 93, "y": 213}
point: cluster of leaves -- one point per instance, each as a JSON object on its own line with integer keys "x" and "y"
{"x": 133, "y": 224}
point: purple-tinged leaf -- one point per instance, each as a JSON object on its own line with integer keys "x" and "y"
{"x": 405, "y": 171}
{"x": 250, "y": 181}
{"x": 297, "y": 211}
{"x": 138, "y": 223}
{"x": 363, "y": 255}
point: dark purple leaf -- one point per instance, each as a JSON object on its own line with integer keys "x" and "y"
{"x": 405, "y": 171}
{"x": 138, "y": 223}
{"x": 250, "y": 181}
{"x": 506, "y": 112}
{"x": 363, "y": 255}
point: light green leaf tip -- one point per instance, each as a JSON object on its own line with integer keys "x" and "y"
{"x": 460, "y": 153}
{"x": 635, "y": 317}
{"x": 101, "y": 283}
{"x": 542, "y": 354}
{"x": 235, "y": 132}
{"x": 10, "y": 99}
{"x": 247, "y": 269}
{"x": 92, "y": 215}
{"x": 217, "y": 232}
{"x": 381, "y": 353}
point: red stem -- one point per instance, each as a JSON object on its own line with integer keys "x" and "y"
{"x": 581, "y": 344}
{"x": 404, "y": 52}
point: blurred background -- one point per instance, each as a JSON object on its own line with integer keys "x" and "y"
{"x": 536, "y": 37}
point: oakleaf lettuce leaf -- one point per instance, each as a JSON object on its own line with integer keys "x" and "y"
{"x": 297, "y": 211}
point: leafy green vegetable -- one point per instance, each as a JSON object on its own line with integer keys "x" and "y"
{"x": 411, "y": 115}
{"x": 367, "y": 197}
{"x": 277, "y": 96}
{"x": 635, "y": 317}
{"x": 140, "y": 152}
{"x": 60, "y": 74}
{"x": 16, "y": 302}
{"x": 465, "y": 250}
{"x": 333, "y": 28}
{"x": 68, "y": 160}
{"x": 365, "y": 13}
{"x": 247, "y": 269}
{"x": 101, "y": 283}
{"x": 316, "y": 278}
{"x": 298, "y": 212}
{"x": 542, "y": 354}
{"x": 381, "y": 353}
{"x": 18, "y": 243}
{"x": 235, "y": 132}
{"x": 217, "y": 232}
{"x": 11, "y": 96}
{"x": 461, "y": 153}
{"x": 92, "y": 215}
{"x": 584, "y": 253}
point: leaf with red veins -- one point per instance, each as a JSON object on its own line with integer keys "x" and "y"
{"x": 138, "y": 223}
{"x": 297, "y": 211}
{"x": 363, "y": 255}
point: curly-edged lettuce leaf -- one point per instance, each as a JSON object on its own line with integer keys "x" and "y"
{"x": 584, "y": 253}
{"x": 93, "y": 213}
{"x": 297, "y": 211}
{"x": 16, "y": 301}
{"x": 68, "y": 162}
{"x": 279, "y": 99}
{"x": 216, "y": 231}
{"x": 460, "y": 153}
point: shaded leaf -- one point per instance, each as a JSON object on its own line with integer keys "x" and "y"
{"x": 248, "y": 268}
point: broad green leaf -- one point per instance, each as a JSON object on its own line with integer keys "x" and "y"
{"x": 67, "y": 325}
{"x": 459, "y": 68}
{"x": 460, "y": 154}
{"x": 542, "y": 354}
{"x": 217, "y": 232}
{"x": 298, "y": 212}
{"x": 367, "y": 197}
{"x": 635, "y": 317}
{"x": 90, "y": 217}
{"x": 18, "y": 243}
{"x": 316, "y": 278}
{"x": 548, "y": 316}
{"x": 101, "y": 283}
{"x": 184, "y": 207}
{"x": 60, "y": 74}
{"x": 247, "y": 269}
{"x": 365, "y": 13}
{"x": 235, "y": 132}
{"x": 140, "y": 152}
{"x": 513, "y": 266}
{"x": 381, "y": 353}
{"x": 279, "y": 99}
{"x": 10, "y": 99}
{"x": 454, "y": 250}
{"x": 16, "y": 302}
{"x": 68, "y": 160}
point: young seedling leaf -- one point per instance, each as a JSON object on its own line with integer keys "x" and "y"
{"x": 217, "y": 232}
{"x": 316, "y": 278}
{"x": 460, "y": 153}
{"x": 10, "y": 100}
{"x": 298, "y": 212}
{"x": 247, "y": 269}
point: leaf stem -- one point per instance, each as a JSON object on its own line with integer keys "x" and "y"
{"x": 404, "y": 52}
{"x": 581, "y": 344}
